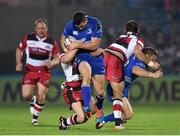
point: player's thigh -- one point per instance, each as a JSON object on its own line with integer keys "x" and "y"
{"x": 93, "y": 105}
{"x": 117, "y": 88}
{"x": 43, "y": 84}
{"x": 41, "y": 91}
{"x": 128, "y": 112}
{"x": 85, "y": 71}
{"x": 28, "y": 90}
{"x": 98, "y": 82}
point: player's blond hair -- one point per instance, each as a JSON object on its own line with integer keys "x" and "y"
{"x": 41, "y": 20}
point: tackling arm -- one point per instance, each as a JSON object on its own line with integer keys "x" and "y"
{"x": 140, "y": 55}
{"x": 144, "y": 73}
{"x": 64, "y": 58}
{"x": 67, "y": 57}
{"x": 92, "y": 45}
{"x": 62, "y": 43}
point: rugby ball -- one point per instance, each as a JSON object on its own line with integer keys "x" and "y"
{"x": 68, "y": 40}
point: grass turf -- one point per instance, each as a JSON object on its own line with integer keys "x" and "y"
{"x": 148, "y": 119}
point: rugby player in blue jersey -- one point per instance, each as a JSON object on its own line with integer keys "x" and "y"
{"x": 133, "y": 68}
{"x": 87, "y": 31}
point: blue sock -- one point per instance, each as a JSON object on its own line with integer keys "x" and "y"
{"x": 99, "y": 102}
{"x": 86, "y": 94}
{"x": 109, "y": 118}
{"x": 110, "y": 93}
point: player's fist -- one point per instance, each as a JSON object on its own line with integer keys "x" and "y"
{"x": 49, "y": 64}
{"x": 19, "y": 67}
{"x": 153, "y": 65}
{"x": 158, "y": 74}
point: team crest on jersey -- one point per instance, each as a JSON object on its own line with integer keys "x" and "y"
{"x": 89, "y": 31}
{"x": 75, "y": 32}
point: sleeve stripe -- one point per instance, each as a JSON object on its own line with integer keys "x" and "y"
{"x": 141, "y": 43}
{"x": 61, "y": 55}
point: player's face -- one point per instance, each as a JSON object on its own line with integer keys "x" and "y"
{"x": 41, "y": 29}
{"x": 82, "y": 24}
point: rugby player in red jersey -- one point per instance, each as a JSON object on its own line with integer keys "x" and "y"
{"x": 39, "y": 48}
{"x": 115, "y": 57}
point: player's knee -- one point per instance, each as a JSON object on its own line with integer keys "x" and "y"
{"x": 101, "y": 92}
{"x": 81, "y": 119}
{"x": 41, "y": 98}
{"x": 27, "y": 97}
{"x": 86, "y": 79}
{"x": 129, "y": 115}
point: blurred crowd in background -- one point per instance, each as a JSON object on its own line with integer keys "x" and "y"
{"x": 158, "y": 19}
{"x": 160, "y": 28}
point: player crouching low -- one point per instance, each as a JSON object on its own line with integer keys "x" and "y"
{"x": 72, "y": 91}
{"x": 73, "y": 97}
{"x": 133, "y": 69}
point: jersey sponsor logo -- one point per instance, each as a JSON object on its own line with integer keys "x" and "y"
{"x": 75, "y": 32}
{"x": 89, "y": 31}
{"x": 116, "y": 78}
{"x": 99, "y": 27}
{"x": 84, "y": 39}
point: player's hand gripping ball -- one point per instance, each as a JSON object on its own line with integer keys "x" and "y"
{"x": 68, "y": 40}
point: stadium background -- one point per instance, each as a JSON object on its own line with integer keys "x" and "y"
{"x": 159, "y": 22}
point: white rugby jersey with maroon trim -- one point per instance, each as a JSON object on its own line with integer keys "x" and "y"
{"x": 38, "y": 51}
{"x": 125, "y": 44}
{"x": 71, "y": 72}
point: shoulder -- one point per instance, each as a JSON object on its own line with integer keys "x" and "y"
{"x": 31, "y": 36}
{"x": 139, "y": 63}
{"x": 69, "y": 24}
{"x": 140, "y": 41}
{"x": 93, "y": 20}
{"x": 49, "y": 40}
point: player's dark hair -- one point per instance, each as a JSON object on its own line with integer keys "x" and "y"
{"x": 149, "y": 50}
{"x": 78, "y": 17}
{"x": 132, "y": 26}
{"x": 40, "y": 20}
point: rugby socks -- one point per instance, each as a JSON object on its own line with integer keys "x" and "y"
{"x": 109, "y": 92}
{"x": 86, "y": 94}
{"x": 71, "y": 120}
{"x": 99, "y": 103}
{"x": 109, "y": 118}
{"x": 37, "y": 110}
{"x": 117, "y": 111}
{"x": 31, "y": 102}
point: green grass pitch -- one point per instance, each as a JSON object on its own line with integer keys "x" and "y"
{"x": 148, "y": 119}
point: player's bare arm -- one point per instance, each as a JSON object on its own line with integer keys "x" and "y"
{"x": 92, "y": 45}
{"x": 68, "y": 56}
{"x": 64, "y": 58}
{"x": 97, "y": 52}
{"x": 65, "y": 48}
{"x": 19, "y": 56}
{"x": 144, "y": 73}
{"x": 140, "y": 55}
